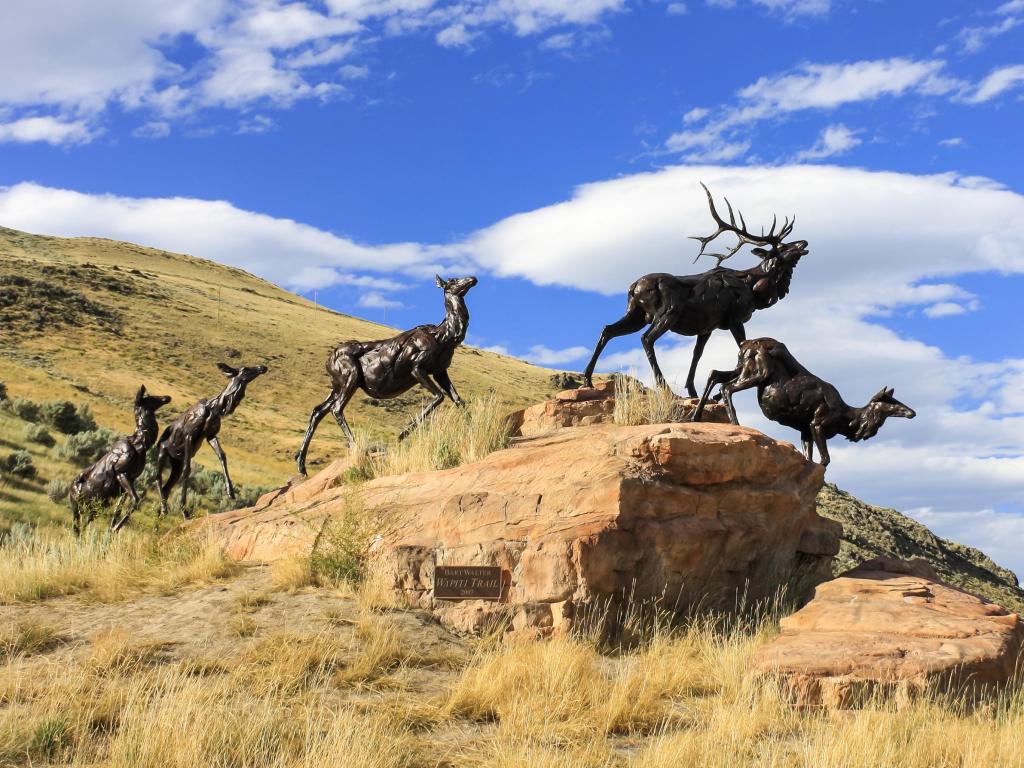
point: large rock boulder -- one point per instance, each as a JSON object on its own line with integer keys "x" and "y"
{"x": 587, "y": 406}
{"x": 691, "y": 513}
{"x": 891, "y": 627}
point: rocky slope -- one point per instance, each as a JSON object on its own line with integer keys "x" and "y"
{"x": 870, "y": 532}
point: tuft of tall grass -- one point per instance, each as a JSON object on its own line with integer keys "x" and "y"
{"x": 635, "y": 404}
{"x": 37, "y": 564}
{"x": 449, "y": 437}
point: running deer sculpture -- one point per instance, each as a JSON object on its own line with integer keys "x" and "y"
{"x": 114, "y": 475}
{"x": 387, "y": 368}
{"x": 696, "y": 305}
{"x": 183, "y": 436}
{"x": 791, "y": 395}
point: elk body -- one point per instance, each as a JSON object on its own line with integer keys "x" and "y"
{"x": 721, "y": 298}
{"x": 114, "y": 475}
{"x": 385, "y": 369}
{"x": 791, "y": 395}
{"x": 182, "y": 437}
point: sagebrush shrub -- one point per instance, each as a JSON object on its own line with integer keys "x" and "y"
{"x": 20, "y": 464}
{"x": 84, "y": 448}
{"x": 37, "y": 433}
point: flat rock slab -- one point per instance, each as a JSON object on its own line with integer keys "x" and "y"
{"x": 891, "y": 627}
{"x": 588, "y": 406}
{"x": 692, "y": 513}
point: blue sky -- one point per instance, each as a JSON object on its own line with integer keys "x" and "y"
{"x": 553, "y": 147}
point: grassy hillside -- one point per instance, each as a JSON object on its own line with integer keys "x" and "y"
{"x": 870, "y": 531}
{"x": 88, "y": 320}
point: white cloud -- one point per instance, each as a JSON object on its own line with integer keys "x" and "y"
{"x": 155, "y": 129}
{"x": 50, "y": 130}
{"x": 726, "y": 132}
{"x": 78, "y": 59}
{"x": 1011, "y": 6}
{"x": 377, "y": 300}
{"x": 974, "y": 39}
{"x": 289, "y": 253}
{"x": 676, "y": 9}
{"x": 834, "y": 140}
{"x": 952, "y": 141}
{"x": 542, "y": 355}
{"x": 996, "y": 83}
{"x": 946, "y": 309}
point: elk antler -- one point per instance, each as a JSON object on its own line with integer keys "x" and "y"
{"x": 740, "y": 230}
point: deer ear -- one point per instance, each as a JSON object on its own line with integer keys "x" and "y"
{"x": 140, "y": 394}
{"x": 880, "y": 395}
{"x": 227, "y": 370}
{"x": 440, "y": 281}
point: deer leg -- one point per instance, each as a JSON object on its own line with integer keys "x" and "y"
{"x": 714, "y": 378}
{"x": 631, "y": 322}
{"x": 76, "y": 512}
{"x": 215, "y": 444}
{"x": 658, "y": 329}
{"x": 808, "y": 443}
{"x": 315, "y": 417}
{"x": 431, "y": 387}
{"x": 129, "y": 489}
{"x": 338, "y": 409}
{"x": 172, "y": 480}
{"x": 818, "y": 432}
{"x": 745, "y": 380}
{"x": 698, "y": 351}
{"x": 186, "y": 473}
{"x": 161, "y": 455}
{"x": 442, "y": 378}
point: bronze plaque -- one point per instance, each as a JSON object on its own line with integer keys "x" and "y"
{"x": 467, "y": 582}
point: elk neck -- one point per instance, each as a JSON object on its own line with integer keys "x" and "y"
{"x": 778, "y": 275}
{"x": 145, "y": 428}
{"x": 862, "y": 423}
{"x": 229, "y": 398}
{"x": 452, "y": 329}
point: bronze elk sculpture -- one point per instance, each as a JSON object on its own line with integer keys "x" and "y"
{"x": 183, "y": 436}
{"x": 721, "y": 298}
{"x": 114, "y": 475}
{"x": 791, "y": 395}
{"x": 387, "y": 368}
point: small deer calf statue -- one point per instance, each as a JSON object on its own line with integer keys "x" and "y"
{"x": 114, "y": 475}
{"x": 791, "y": 395}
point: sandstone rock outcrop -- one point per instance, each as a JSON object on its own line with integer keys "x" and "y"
{"x": 588, "y": 406}
{"x": 693, "y": 513}
{"x": 891, "y": 627}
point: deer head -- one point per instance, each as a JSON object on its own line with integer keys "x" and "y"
{"x": 457, "y": 286}
{"x": 873, "y": 415}
{"x": 238, "y": 379}
{"x": 149, "y": 403}
{"x": 776, "y": 249}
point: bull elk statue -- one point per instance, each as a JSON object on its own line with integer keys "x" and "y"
{"x": 696, "y": 305}
{"x": 387, "y": 368}
{"x": 183, "y": 436}
{"x": 791, "y": 395}
{"x": 114, "y": 475}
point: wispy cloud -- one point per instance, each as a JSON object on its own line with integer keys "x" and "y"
{"x": 996, "y": 83}
{"x": 834, "y": 140}
{"x": 50, "y": 130}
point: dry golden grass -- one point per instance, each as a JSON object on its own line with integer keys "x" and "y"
{"x": 36, "y": 565}
{"x": 636, "y": 404}
{"x": 347, "y": 695}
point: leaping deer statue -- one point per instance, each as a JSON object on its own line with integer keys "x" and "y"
{"x": 114, "y": 475}
{"x": 183, "y": 436}
{"x": 695, "y": 305}
{"x": 387, "y": 368}
{"x": 793, "y": 396}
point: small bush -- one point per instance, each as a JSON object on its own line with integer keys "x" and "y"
{"x": 66, "y": 417}
{"x": 3, "y": 391}
{"x": 340, "y": 549}
{"x": 23, "y": 408}
{"x": 84, "y": 448}
{"x": 57, "y": 490}
{"x": 37, "y": 433}
{"x": 20, "y": 464}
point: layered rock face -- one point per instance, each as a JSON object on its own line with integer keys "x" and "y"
{"x": 588, "y": 406}
{"x": 691, "y": 513}
{"x": 891, "y": 627}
